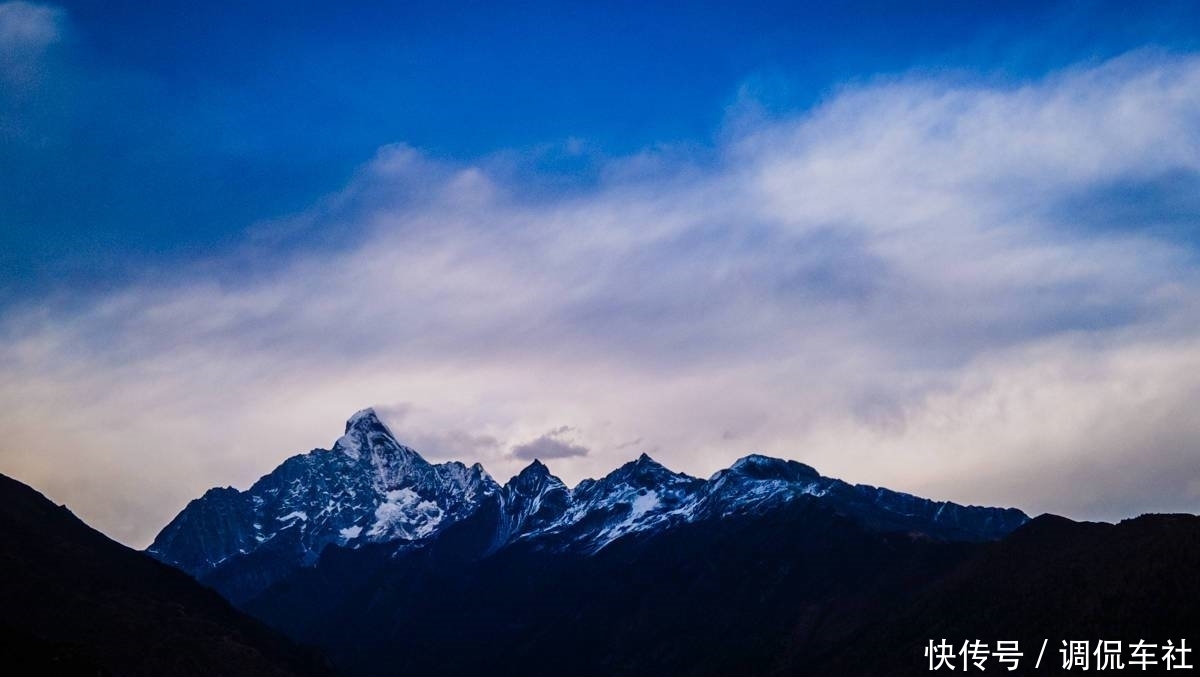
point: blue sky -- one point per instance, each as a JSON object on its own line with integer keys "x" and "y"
{"x": 944, "y": 247}
{"x": 162, "y": 130}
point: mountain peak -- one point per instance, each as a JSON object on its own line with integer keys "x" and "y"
{"x": 641, "y": 464}
{"x": 535, "y": 468}
{"x": 645, "y": 472}
{"x": 365, "y": 433}
{"x": 534, "y": 477}
{"x": 364, "y": 418}
{"x": 758, "y": 466}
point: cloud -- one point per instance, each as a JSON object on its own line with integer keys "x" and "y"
{"x": 548, "y": 447}
{"x": 26, "y": 25}
{"x": 26, "y": 31}
{"x": 902, "y": 286}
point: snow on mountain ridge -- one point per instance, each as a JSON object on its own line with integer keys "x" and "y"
{"x": 638, "y": 496}
{"x": 367, "y": 488}
{"x": 370, "y": 488}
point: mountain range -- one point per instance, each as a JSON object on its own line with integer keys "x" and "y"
{"x": 369, "y": 489}
{"x": 367, "y": 560}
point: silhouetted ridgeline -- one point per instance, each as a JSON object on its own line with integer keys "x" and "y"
{"x": 74, "y": 602}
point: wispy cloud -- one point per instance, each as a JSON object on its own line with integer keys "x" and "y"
{"x": 26, "y": 30}
{"x": 25, "y": 25}
{"x": 900, "y": 286}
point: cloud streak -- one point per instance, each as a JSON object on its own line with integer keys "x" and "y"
{"x": 26, "y": 32}
{"x": 899, "y": 286}
{"x": 24, "y": 25}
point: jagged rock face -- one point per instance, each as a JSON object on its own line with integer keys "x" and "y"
{"x": 369, "y": 488}
{"x": 639, "y": 496}
{"x": 533, "y": 501}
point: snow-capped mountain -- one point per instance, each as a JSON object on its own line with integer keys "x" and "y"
{"x": 533, "y": 501}
{"x": 371, "y": 489}
{"x": 639, "y": 496}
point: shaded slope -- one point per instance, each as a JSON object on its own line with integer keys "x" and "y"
{"x": 72, "y": 601}
{"x": 721, "y": 597}
{"x": 1052, "y": 579}
{"x": 798, "y": 590}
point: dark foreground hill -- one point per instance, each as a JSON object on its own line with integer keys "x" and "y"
{"x": 743, "y": 595}
{"x": 74, "y": 602}
{"x": 802, "y": 590}
{"x": 1051, "y": 580}
{"x": 799, "y": 591}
